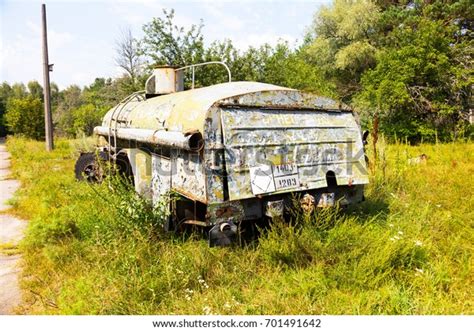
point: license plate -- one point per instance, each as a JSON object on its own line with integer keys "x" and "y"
{"x": 284, "y": 169}
{"x": 286, "y": 182}
{"x": 266, "y": 179}
{"x": 286, "y": 176}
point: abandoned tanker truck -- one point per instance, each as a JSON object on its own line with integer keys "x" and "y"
{"x": 233, "y": 152}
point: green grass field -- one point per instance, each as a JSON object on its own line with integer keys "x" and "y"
{"x": 407, "y": 250}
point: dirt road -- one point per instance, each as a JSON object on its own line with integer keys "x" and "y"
{"x": 11, "y": 232}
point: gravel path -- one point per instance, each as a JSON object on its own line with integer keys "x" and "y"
{"x": 11, "y": 232}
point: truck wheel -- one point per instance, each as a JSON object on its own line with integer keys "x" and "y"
{"x": 223, "y": 234}
{"x": 88, "y": 167}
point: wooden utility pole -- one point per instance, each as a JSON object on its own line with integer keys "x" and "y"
{"x": 48, "y": 122}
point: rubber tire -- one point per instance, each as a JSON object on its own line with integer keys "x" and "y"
{"x": 88, "y": 163}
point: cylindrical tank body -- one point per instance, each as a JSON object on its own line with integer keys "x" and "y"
{"x": 261, "y": 145}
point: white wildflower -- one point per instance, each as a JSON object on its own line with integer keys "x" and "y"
{"x": 207, "y": 310}
{"x": 188, "y": 293}
{"x": 420, "y": 271}
{"x": 235, "y": 301}
{"x": 202, "y": 282}
{"x": 400, "y": 233}
{"x": 227, "y": 305}
{"x": 390, "y": 225}
{"x": 418, "y": 243}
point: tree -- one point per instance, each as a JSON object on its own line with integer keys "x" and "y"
{"x": 63, "y": 119}
{"x": 25, "y": 116}
{"x": 128, "y": 58}
{"x": 104, "y": 93}
{"x": 35, "y": 89}
{"x": 5, "y": 91}
{"x": 54, "y": 95}
{"x": 76, "y": 105}
{"x": 85, "y": 118}
{"x": 167, "y": 44}
{"x": 342, "y": 43}
{"x": 422, "y": 82}
{"x": 218, "y": 51}
{"x": 18, "y": 90}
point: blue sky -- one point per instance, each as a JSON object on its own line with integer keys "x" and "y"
{"x": 82, "y": 33}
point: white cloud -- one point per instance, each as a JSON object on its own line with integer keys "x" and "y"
{"x": 21, "y": 59}
{"x": 56, "y": 39}
{"x": 21, "y": 56}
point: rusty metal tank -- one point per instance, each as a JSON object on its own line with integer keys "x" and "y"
{"x": 236, "y": 151}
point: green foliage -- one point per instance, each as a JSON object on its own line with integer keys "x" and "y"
{"x": 103, "y": 93}
{"x": 167, "y": 44}
{"x": 35, "y": 90}
{"x": 68, "y": 99}
{"x": 420, "y": 83}
{"x": 75, "y": 111}
{"x": 286, "y": 67}
{"x": 99, "y": 249}
{"x": 25, "y": 117}
{"x": 343, "y": 43}
{"x": 18, "y": 91}
{"x": 85, "y": 118}
{"x": 279, "y": 65}
{"x": 5, "y": 91}
{"x": 409, "y": 63}
{"x": 29, "y": 106}
{"x": 79, "y": 111}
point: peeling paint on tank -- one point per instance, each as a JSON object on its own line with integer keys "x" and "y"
{"x": 314, "y": 141}
{"x": 189, "y": 177}
{"x": 183, "y": 111}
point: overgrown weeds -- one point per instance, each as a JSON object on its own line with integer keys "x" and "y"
{"x": 99, "y": 249}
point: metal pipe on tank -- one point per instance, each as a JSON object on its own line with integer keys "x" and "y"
{"x": 173, "y": 139}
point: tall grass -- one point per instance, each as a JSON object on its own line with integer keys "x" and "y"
{"x": 98, "y": 250}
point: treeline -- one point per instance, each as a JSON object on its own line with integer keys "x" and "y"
{"x": 406, "y": 65}
{"x": 76, "y": 111}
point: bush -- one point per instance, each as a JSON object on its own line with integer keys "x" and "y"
{"x": 85, "y": 118}
{"x": 25, "y": 117}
